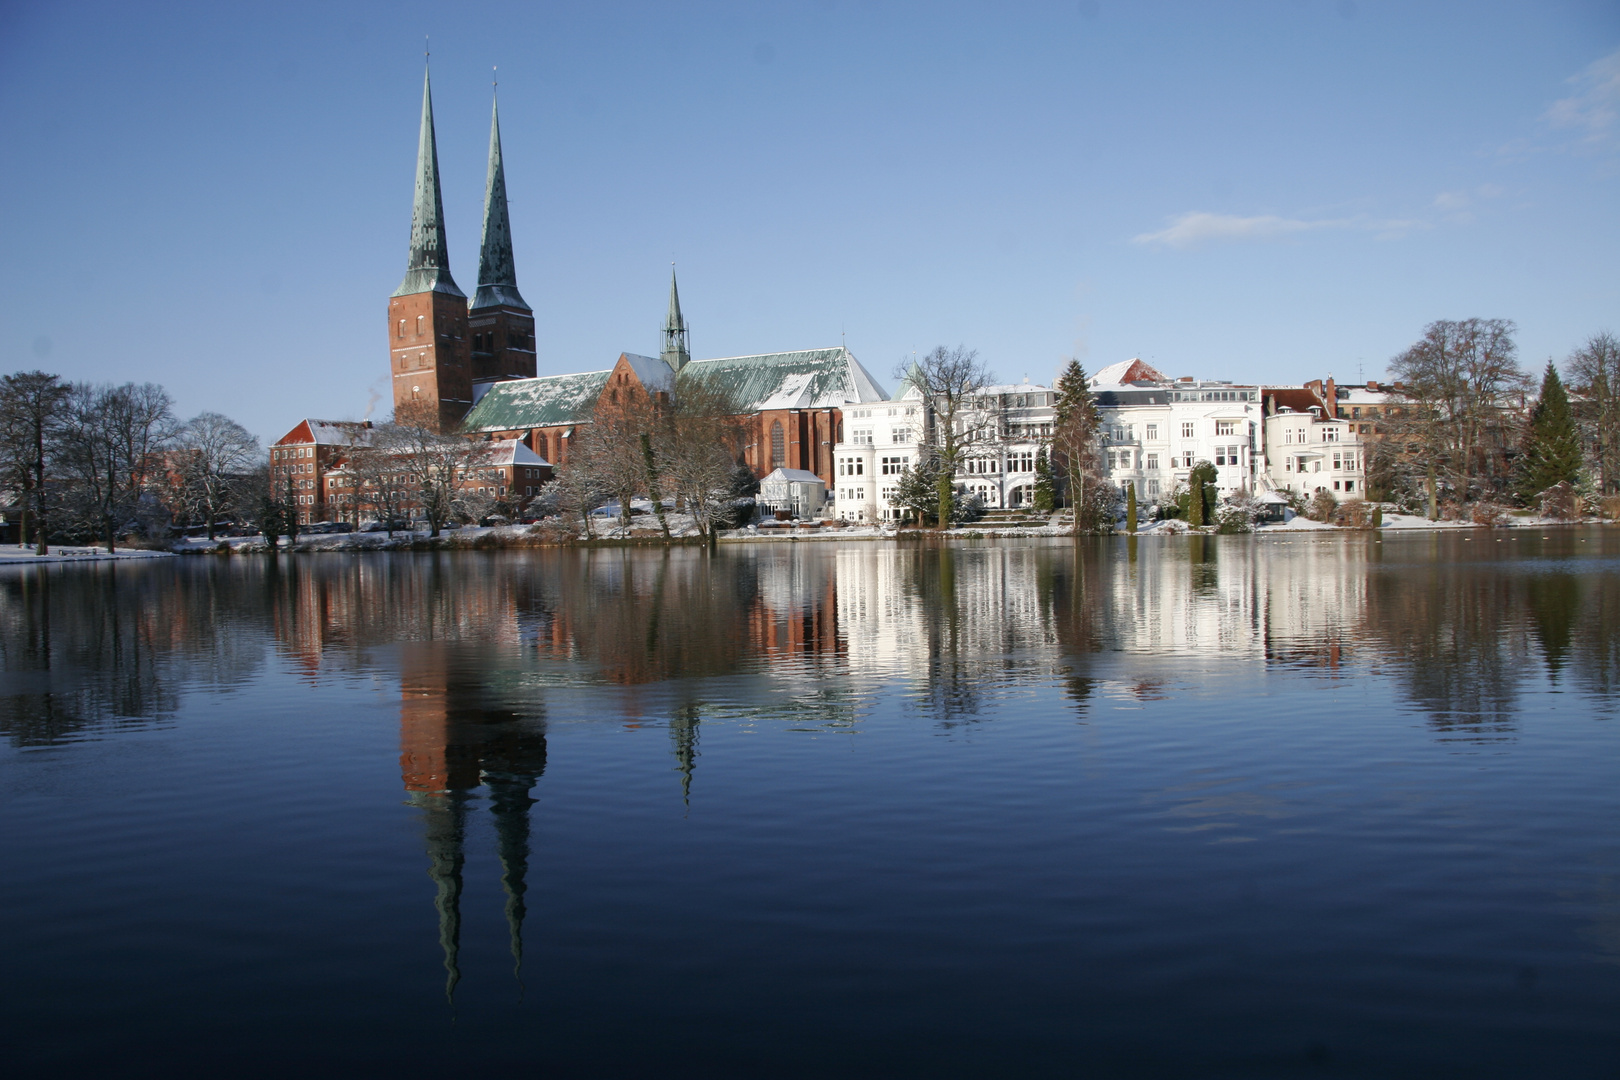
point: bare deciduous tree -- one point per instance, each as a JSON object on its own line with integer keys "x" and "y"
{"x": 1594, "y": 375}
{"x": 107, "y": 445}
{"x": 702, "y": 440}
{"x": 949, "y": 380}
{"x": 381, "y": 483}
{"x": 31, "y": 408}
{"x": 1463, "y": 382}
{"x": 215, "y": 452}
{"x": 436, "y": 463}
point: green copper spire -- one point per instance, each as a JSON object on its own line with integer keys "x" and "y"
{"x": 429, "y": 268}
{"x": 675, "y": 354}
{"x": 497, "y": 273}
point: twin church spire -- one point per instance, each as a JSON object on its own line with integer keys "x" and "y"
{"x": 428, "y": 269}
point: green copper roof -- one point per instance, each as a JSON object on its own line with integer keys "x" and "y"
{"x": 429, "y": 266}
{"x": 550, "y": 400}
{"x": 812, "y": 379}
{"x": 497, "y": 272}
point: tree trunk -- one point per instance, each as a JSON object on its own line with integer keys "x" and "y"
{"x": 652, "y": 483}
{"x": 945, "y": 484}
{"x": 1434, "y": 494}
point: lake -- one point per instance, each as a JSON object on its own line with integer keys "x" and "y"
{"x": 1303, "y": 805}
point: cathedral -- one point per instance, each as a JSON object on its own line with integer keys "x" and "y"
{"x": 470, "y": 366}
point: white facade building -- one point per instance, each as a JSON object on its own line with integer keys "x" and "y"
{"x": 1156, "y": 429}
{"x": 1307, "y": 452}
{"x": 1004, "y": 427}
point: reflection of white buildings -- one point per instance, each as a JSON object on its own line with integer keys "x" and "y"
{"x": 899, "y": 608}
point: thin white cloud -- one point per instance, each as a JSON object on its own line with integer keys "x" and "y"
{"x": 1198, "y": 228}
{"x": 1595, "y": 105}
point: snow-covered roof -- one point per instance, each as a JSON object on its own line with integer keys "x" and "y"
{"x": 329, "y": 433}
{"x": 1127, "y": 371}
{"x": 811, "y": 379}
{"x": 513, "y": 452}
{"x": 654, "y": 374}
{"x": 547, "y": 401}
{"x": 792, "y": 476}
{"x": 1016, "y": 388}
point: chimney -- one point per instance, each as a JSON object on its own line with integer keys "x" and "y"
{"x": 1372, "y": 385}
{"x": 1330, "y": 397}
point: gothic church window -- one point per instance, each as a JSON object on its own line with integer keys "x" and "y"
{"x": 778, "y": 445}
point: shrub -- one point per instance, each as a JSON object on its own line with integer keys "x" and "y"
{"x": 1233, "y": 519}
{"x": 1559, "y": 502}
{"x": 1322, "y": 506}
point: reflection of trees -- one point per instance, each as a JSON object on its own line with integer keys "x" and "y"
{"x": 1595, "y": 651}
{"x": 96, "y": 645}
{"x": 1072, "y": 582}
{"x": 1444, "y": 625}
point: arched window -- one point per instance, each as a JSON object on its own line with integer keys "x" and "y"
{"x": 421, "y": 321}
{"x": 778, "y": 445}
{"x": 402, "y": 328}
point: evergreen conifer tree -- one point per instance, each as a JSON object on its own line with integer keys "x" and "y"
{"x": 1075, "y": 439}
{"x": 1045, "y": 498}
{"x": 1130, "y": 508}
{"x": 1552, "y": 443}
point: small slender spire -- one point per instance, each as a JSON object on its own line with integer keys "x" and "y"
{"x": 497, "y": 271}
{"x": 676, "y": 353}
{"x": 429, "y": 266}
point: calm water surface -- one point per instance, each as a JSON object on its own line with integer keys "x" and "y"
{"x": 1231, "y": 807}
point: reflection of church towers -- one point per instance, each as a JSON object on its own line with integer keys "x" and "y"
{"x": 452, "y": 743}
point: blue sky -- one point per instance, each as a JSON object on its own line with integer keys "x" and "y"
{"x": 218, "y": 199}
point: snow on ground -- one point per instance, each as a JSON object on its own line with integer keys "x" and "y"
{"x": 1415, "y": 521}
{"x": 12, "y": 553}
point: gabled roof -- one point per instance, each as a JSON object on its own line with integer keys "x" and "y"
{"x": 1296, "y": 398}
{"x": 792, "y": 476}
{"x": 812, "y": 379}
{"x": 654, "y": 375}
{"x": 1127, "y": 371}
{"x": 547, "y": 401}
{"x": 512, "y": 452}
{"x": 328, "y": 433}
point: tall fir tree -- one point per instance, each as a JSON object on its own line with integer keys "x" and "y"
{"x": 1552, "y": 443}
{"x": 1045, "y": 498}
{"x": 1074, "y": 442}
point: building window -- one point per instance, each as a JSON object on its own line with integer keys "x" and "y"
{"x": 778, "y": 444}
{"x": 1330, "y": 434}
{"x": 893, "y": 466}
{"x": 1187, "y": 430}
{"x": 1152, "y": 463}
{"x": 902, "y": 435}
{"x": 861, "y": 436}
{"x": 402, "y": 329}
{"x": 1153, "y": 433}
{"x": 421, "y": 323}
{"x": 1153, "y": 489}
{"x": 1224, "y": 427}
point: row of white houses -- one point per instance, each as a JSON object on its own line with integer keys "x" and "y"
{"x": 1260, "y": 438}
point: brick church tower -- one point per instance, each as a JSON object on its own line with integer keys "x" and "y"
{"x": 429, "y": 350}
{"x": 501, "y": 324}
